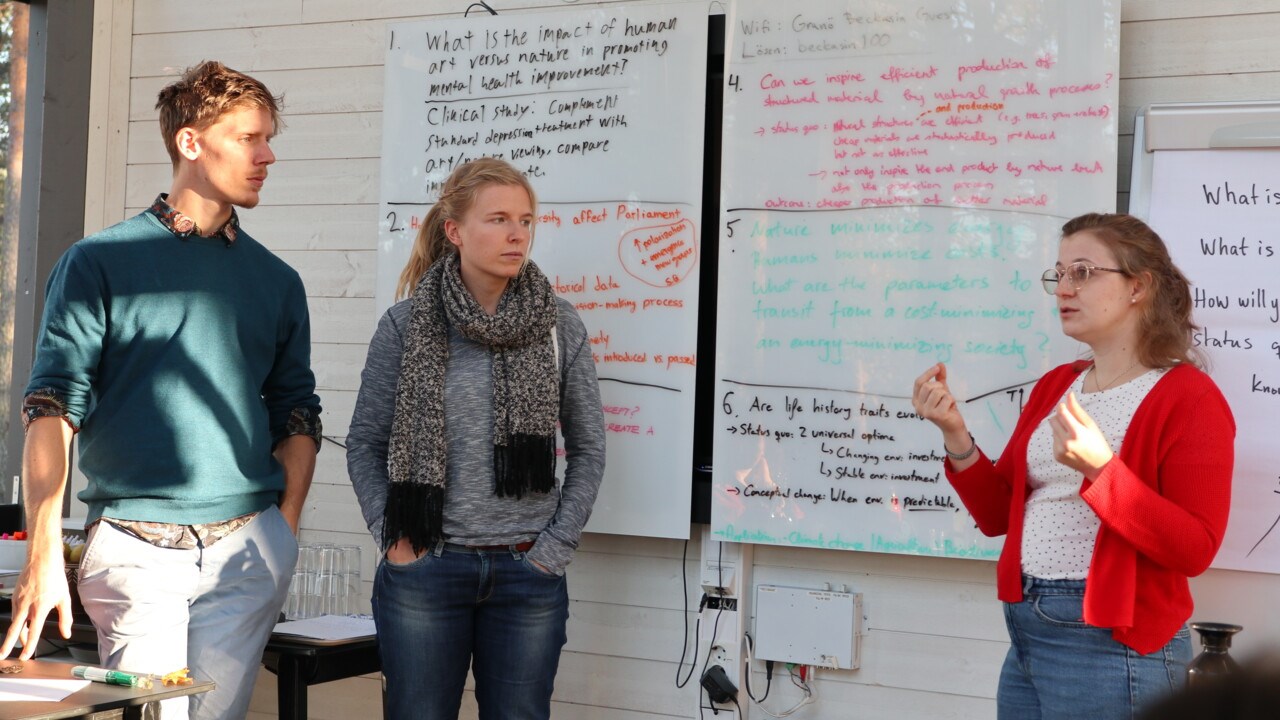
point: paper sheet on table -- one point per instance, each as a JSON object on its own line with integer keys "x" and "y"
{"x": 37, "y": 689}
{"x": 329, "y": 627}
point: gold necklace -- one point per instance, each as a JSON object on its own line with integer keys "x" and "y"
{"x": 1100, "y": 388}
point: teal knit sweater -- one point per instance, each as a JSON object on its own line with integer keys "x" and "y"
{"x": 182, "y": 361}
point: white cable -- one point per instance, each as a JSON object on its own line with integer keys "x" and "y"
{"x": 747, "y": 642}
{"x": 807, "y": 699}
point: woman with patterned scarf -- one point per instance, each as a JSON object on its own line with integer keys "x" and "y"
{"x": 452, "y": 454}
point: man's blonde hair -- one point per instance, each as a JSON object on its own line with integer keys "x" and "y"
{"x": 205, "y": 93}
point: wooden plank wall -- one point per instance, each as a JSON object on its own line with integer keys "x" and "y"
{"x": 934, "y": 632}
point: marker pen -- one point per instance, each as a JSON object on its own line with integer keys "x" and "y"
{"x": 112, "y": 677}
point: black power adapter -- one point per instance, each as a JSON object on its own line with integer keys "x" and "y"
{"x": 718, "y": 685}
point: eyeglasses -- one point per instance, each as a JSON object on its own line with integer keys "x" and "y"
{"x": 1077, "y": 273}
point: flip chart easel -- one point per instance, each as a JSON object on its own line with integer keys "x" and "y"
{"x": 1206, "y": 176}
{"x": 602, "y": 109}
{"x": 895, "y": 181}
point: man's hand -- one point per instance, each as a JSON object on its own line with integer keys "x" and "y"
{"x": 42, "y": 587}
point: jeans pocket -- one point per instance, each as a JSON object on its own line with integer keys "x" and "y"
{"x": 524, "y": 560}
{"x": 89, "y": 556}
{"x": 1177, "y": 654}
{"x": 280, "y": 531}
{"x": 416, "y": 562}
{"x": 1060, "y": 610}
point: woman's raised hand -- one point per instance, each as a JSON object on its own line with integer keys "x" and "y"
{"x": 1077, "y": 441}
{"x": 933, "y": 401}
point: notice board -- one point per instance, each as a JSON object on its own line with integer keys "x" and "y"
{"x": 602, "y": 109}
{"x": 895, "y": 179}
{"x": 1207, "y": 179}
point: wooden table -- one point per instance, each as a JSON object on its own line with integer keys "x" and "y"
{"x": 297, "y": 663}
{"x": 98, "y": 700}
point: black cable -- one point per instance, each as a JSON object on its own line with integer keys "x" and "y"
{"x": 803, "y": 685}
{"x": 735, "y": 704}
{"x": 720, "y": 567}
{"x": 335, "y": 442}
{"x": 711, "y": 646}
{"x": 693, "y": 661}
{"x": 716, "y": 627}
{"x": 482, "y": 4}
{"x": 684, "y": 645}
{"x": 58, "y": 646}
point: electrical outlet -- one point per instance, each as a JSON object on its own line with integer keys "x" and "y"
{"x": 719, "y": 656}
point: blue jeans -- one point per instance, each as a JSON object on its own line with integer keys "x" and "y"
{"x": 457, "y": 607}
{"x": 1059, "y": 667}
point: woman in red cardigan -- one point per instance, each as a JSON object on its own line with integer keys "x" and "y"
{"x": 1112, "y": 491}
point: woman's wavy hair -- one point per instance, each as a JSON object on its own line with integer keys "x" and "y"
{"x": 1164, "y": 326}
{"x": 456, "y": 197}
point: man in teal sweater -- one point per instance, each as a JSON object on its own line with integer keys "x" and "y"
{"x": 177, "y": 349}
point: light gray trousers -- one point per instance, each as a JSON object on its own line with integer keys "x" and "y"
{"x": 157, "y": 610}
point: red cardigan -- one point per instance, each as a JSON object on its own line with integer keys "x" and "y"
{"x": 1163, "y": 503}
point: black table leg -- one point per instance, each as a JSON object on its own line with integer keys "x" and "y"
{"x": 292, "y": 688}
{"x": 299, "y": 665}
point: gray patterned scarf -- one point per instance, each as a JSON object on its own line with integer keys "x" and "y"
{"x": 526, "y": 392}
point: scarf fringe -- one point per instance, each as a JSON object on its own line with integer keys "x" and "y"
{"x": 414, "y": 511}
{"x": 526, "y": 464}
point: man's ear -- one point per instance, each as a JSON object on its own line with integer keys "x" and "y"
{"x": 188, "y": 143}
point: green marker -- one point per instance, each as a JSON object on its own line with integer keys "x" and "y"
{"x": 112, "y": 677}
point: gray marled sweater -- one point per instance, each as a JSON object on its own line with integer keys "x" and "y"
{"x": 473, "y": 514}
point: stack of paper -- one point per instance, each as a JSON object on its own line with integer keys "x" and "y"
{"x": 329, "y": 627}
{"x": 37, "y": 689}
